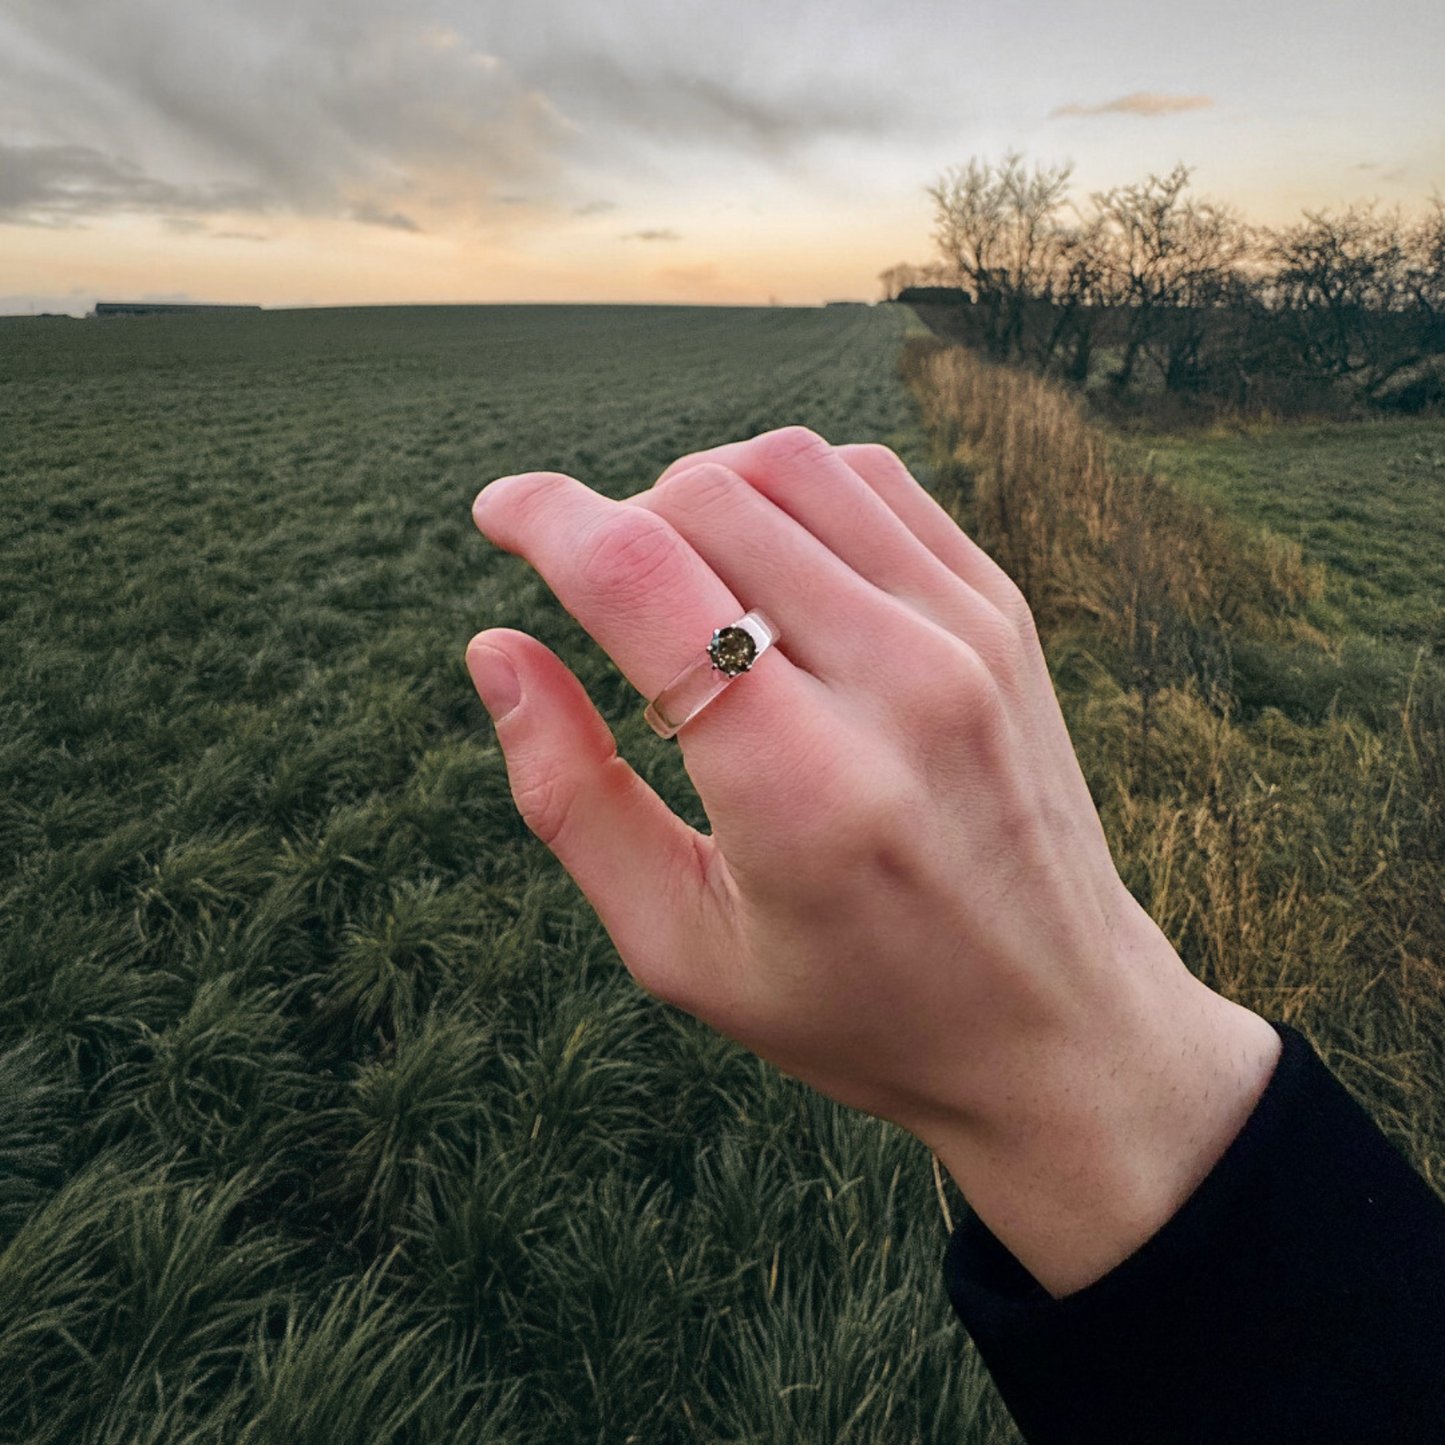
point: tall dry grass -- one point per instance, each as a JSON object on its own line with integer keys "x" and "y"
{"x": 1297, "y": 863}
{"x": 1080, "y": 537}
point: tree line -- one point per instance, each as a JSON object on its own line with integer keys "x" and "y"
{"x": 1149, "y": 288}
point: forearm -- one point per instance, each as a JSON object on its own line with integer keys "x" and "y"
{"x": 1099, "y": 1146}
{"x": 1296, "y": 1298}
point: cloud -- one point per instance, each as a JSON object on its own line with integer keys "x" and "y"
{"x": 371, "y": 214}
{"x": 438, "y": 113}
{"x": 1141, "y": 102}
{"x": 297, "y": 109}
{"x": 239, "y": 236}
{"x": 1394, "y": 177}
{"x": 622, "y": 93}
{"x": 495, "y": 125}
{"x": 60, "y": 185}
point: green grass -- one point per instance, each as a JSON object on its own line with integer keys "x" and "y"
{"x": 1366, "y": 502}
{"x": 1365, "y": 498}
{"x": 327, "y": 1112}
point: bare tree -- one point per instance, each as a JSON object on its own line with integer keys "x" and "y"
{"x": 898, "y": 278}
{"x": 1348, "y": 292}
{"x": 997, "y": 229}
{"x": 1080, "y": 297}
{"x": 1166, "y": 259}
{"x": 1186, "y": 288}
{"x": 1207, "y": 283}
{"x": 1425, "y": 248}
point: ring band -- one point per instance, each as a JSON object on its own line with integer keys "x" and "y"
{"x": 732, "y": 652}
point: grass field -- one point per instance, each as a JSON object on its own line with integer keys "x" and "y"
{"x": 1367, "y": 499}
{"x": 326, "y": 1111}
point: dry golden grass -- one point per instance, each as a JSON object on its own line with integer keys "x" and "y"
{"x": 1079, "y": 536}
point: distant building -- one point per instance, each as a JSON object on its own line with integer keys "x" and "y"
{"x": 846, "y": 303}
{"x": 157, "y": 308}
{"x": 935, "y": 295}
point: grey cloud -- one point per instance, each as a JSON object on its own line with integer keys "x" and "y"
{"x": 1141, "y": 102}
{"x": 671, "y": 106}
{"x": 370, "y": 110}
{"x": 58, "y": 185}
{"x": 370, "y": 214}
{"x": 296, "y": 110}
{"x": 763, "y": 82}
{"x": 659, "y": 233}
{"x": 1393, "y": 177}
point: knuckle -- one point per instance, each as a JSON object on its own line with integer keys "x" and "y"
{"x": 872, "y": 829}
{"x": 545, "y": 799}
{"x": 882, "y": 816}
{"x": 962, "y": 701}
{"x": 630, "y": 552}
{"x": 995, "y": 637}
{"x": 701, "y": 489}
{"x": 1020, "y": 615}
{"x": 790, "y": 447}
{"x": 873, "y": 455}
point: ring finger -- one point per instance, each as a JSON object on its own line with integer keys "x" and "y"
{"x": 836, "y": 624}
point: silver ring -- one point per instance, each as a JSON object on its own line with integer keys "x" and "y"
{"x": 731, "y": 652}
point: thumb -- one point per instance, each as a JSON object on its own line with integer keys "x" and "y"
{"x": 641, "y": 867}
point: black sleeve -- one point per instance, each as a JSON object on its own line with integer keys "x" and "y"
{"x": 1297, "y": 1296}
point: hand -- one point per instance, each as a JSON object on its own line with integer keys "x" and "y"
{"x": 906, "y": 899}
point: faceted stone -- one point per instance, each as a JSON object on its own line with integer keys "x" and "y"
{"x": 732, "y": 650}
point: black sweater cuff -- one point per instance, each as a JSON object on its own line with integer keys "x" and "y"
{"x": 1297, "y": 1296}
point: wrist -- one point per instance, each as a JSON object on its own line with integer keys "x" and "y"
{"x": 1112, "y": 1129}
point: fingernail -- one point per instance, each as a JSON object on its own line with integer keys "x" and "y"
{"x": 495, "y": 679}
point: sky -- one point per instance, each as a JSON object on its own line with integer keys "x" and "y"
{"x": 342, "y": 152}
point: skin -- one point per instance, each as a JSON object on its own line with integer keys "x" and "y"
{"x": 906, "y": 899}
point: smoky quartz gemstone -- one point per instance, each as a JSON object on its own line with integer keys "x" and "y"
{"x": 732, "y": 650}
